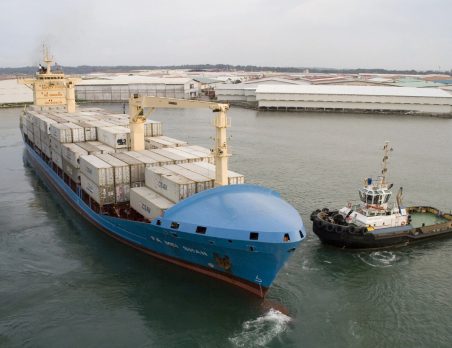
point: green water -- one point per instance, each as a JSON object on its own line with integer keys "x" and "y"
{"x": 426, "y": 219}
{"x": 64, "y": 284}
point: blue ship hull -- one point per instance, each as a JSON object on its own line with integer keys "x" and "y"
{"x": 251, "y": 265}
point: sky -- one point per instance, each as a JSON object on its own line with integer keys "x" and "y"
{"x": 389, "y": 34}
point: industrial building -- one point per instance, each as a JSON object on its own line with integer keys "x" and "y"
{"x": 245, "y": 93}
{"x": 119, "y": 88}
{"x": 354, "y": 99}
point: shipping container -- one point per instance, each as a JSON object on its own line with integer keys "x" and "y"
{"x": 201, "y": 149}
{"x": 169, "y": 184}
{"x": 62, "y": 132}
{"x": 148, "y": 202}
{"x": 188, "y": 156}
{"x": 136, "y": 167}
{"x": 55, "y": 145}
{"x": 98, "y": 171}
{"x": 90, "y": 148}
{"x": 117, "y": 137}
{"x": 161, "y": 160}
{"x": 102, "y": 147}
{"x": 208, "y": 170}
{"x": 121, "y": 169}
{"x": 173, "y": 140}
{"x": 57, "y": 159}
{"x": 203, "y": 156}
{"x": 122, "y": 193}
{"x": 177, "y": 158}
{"x": 156, "y": 143}
{"x": 71, "y": 171}
{"x": 148, "y": 162}
{"x": 90, "y": 131}
{"x": 152, "y": 128}
{"x": 202, "y": 182}
{"x": 71, "y": 153}
{"x": 101, "y": 194}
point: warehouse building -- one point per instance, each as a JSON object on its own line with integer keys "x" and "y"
{"x": 245, "y": 93}
{"x": 354, "y": 99}
{"x": 119, "y": 88}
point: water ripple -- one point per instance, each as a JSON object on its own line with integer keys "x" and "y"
{"x": 261, "y": 331}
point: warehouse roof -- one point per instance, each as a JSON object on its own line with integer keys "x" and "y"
{"x": 354, "y": 90}
{"x": 132, "y": 79}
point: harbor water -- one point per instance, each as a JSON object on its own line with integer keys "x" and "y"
{"x": 65, "y": 284}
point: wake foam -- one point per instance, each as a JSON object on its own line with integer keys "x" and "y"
{"x": 259, "y": 332}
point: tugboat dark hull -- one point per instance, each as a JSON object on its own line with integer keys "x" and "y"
{"x": 353, "y": 237}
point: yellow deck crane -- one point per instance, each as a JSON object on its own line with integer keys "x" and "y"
{"x": 221, "y": 122}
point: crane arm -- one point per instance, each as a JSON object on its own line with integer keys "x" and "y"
{"x": 138, "y": 118}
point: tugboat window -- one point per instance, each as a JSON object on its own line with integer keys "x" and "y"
{"x": 174, "y": 225}
{"x": 158, "y": 223}
{"x": 254, "y": 235}
{"x": 286, "y": 237}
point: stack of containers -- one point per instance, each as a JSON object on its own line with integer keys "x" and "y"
{"x": 60, "y": 133}
{"x": 148, "y": 161}
{"x": 121, "y": 177}
{"x": 36, "y": 132}
{"x": 208, "y": 170}
{"x": 148, "y": 203}
{"x": 152, "y": 128}
{"x": 97, "y": 179}
{"x": 172, "y": 186}
{"x": 175, "y": 157}
{"x": 136, "y": 168}
{"x": 202, "y": 182}
{"x": 71, "y": 160}
{"x": 101, "y": 147}
{"x": 117, "y": 137}
{"x": 204, "y": 157}
{"x": 161, "y": 160}
{"x": 44, "y": 125}
{"x": 90, "y": 148}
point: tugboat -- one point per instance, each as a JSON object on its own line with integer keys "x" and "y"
{"x": 376, "y": 223}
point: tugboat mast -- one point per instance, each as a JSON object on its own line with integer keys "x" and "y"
{"x": 384, "y": 170}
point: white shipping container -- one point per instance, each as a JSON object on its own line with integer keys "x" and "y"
{"x": 45, "y": 123}
{"x": 169, "y": 184}
{"x": 156, "y": 143}
{"x": 78, "y": 133}
{"x": 71, "y": 153}
{"x": 152, "y": 128}
{"x": 208, "y": 170}
{"x": 91, "y": 149}
{"x": 98, "y": 171}
{"x": 120, "y": 168}
{"x": 136, "y": 166}
{"x": 161, "y": 160}
{"x": 102, "y": 147}
{"x": 101, "y": 194}
{"x": 177, "y": 158}
{"x": 202, "y": 182}
{"x": 148, "y": 203}
{"x": 46, "y": 150}
{"x": 201, "y": 149}
{"x": 62, "y": 132}
{"x": 173, "y": 140}
{"x": 57, "y": 159}
{"x": 55, "y": 145}
{"x": 90, "y": 132}
{"x": 117, "y": 137}
{"x": 45, "y": 138}
{"x": 71, "y": 171}
{"x": 189, "y": 156}
{"x": 122, "y": 193}
{"x": 148, "y": 162}
{"x": 204, "y": 157}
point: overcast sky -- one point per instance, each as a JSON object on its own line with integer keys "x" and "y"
{"x": 400, "y": 34}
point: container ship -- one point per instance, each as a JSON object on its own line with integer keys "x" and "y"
{"x": 376, "y": 222}
{"x": 159, "y": 195}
